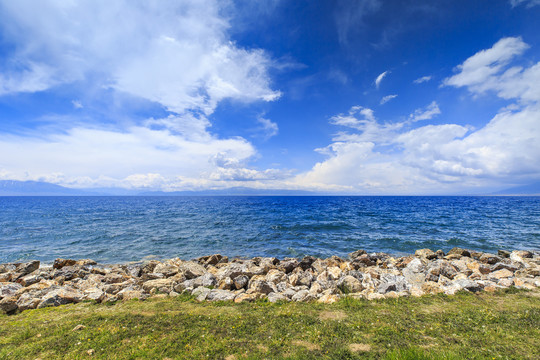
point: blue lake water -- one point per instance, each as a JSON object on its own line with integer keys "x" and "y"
{"x": 122, "y": 229}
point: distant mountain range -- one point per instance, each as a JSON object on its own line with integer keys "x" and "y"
{"x": 39, "y": 188}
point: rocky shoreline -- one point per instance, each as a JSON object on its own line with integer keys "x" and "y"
{"x": 26, "y": 285}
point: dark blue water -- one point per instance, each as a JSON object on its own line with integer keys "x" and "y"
{"x": 121, "y": 229}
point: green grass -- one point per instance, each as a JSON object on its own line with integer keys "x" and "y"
{"x": 504, "y": 325}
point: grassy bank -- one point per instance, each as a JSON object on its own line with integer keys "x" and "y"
{"x": 504, "y": 325}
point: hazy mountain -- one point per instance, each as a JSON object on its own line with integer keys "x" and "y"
{"x": 36, "y": 188}
{"x": 529, "y": 189}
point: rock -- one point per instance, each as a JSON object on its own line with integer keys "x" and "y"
{"x": 191, "y": 269}
{"x": 520, "y": 255}
{"x": 334, "y": 273}
{"x": 132, "y": 293}
{"x": 478, "y": 267}
{"x": 60, "y": 263}
{"x": 9, "y": 289}
{"x": 27, "y": 268}
{"x": 300, "y": 278}
{"x": 440, "y": 267}
{"x": 349, "y": 284}
{"x": 468, "y": 285}
{"x": 79, "y": 328}
{"x": 206, "y": 280}
{"x": 240, "y": 282}
{"x": 501, "y": 274}
{"x": 489, "y": 258}
{"x": 392, "y": 283}
{"x": 158, "y": 284}
{"x": 356, "y": 254}
{"x": 114, "y": 278}
{"x": 28, "y": 301}
{"x": 414, "y": 272}
{"x": 364, "y": 260}
{"x": 220, "y": 295}
{"x": 149, "y": 266}
{"x": 459, "y": 251}
{"x": 211, "y": 260}
{"x": 328, "y": 299}
{"x": 505, "y": 282}
{"x": 288, "y": 265}
{"x": 233, "y": 270}
{"x": 245, "y": 298}
{"x": 375, "y": 296}
{"x": 167, "y": 270}
{"x": 503, "y": 253}
{"x": 260, "y": 287}
{"x": 94, "y": 294}
{"x": 303, "y": 295}
{"x": 8, "y": 305}
{"x": 276, "y": 276}
{"x": 275, "y": 297}
{"x": 60, "y": 296}
{"x": 306, "y": 262}
{"x": 201, "y": 293}
{"x": 426, "y": 254}
{"x": 29, "y": 280}
{"x": 225, "y": 284}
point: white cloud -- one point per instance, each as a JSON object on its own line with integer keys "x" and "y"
{"x": 269, "y": 128}
{"x": 387, "y": 98}
{"x": 397, "y": 159}
{"x": 530, "y": 3}
{"x": 427, "y": 113}
{"x": 380, "y": 78}
{"x": 177, "y": 54}
{"x": 422, "y": 79}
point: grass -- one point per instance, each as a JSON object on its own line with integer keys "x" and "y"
{"x": 503, "y": 325}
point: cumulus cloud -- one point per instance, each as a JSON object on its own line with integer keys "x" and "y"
{"x": 177, "y": 55}
{"x": 387, "y": 98}
{"x": 422, "y": 79}
{"x": 380, "y": 78}
{"x": 401, "y": 158}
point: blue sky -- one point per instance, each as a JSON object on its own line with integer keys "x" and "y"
{"x": 352, "y": 97}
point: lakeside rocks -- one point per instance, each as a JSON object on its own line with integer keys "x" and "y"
{"x": 371, "y": 276}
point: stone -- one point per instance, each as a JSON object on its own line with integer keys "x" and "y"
{"x": 501, "y": 274}
{"x": 260, "y": 287}
{"x": 288, "y": 265}
{"x": 8, "y": 305}
{"x": 459, "y": 251}
{"x": 245, "y": 298}
{"x": 276, "y": 276}
{"x": 505, "y": 282}
{"x": 225, "y": 284}
{"x": 469, "y": 285}
{"x": 503, "y": 253}
{"x": 300, "y": 278}
{"x": 349, "y": 284}
{"x": 364, "y": 260}
{"x": 426, "y": 254}
{"x": 478, "y": 267}
{"x": 191, "y": 269}
{"x": 356, "y": 254}
{"x": 414, "y": 272}
{"x": 441, "y": 267}
{"x": 520, "y": 255}
{"x": 489, "y": 258}
{"x": 27, "y": 267}
{"x": 275, "y": 297}
{"x": 375, "y": 296}
{"x": 220, "y": 295}
{"x": 232, "y": 270}
{"x": 306, "y": 262}
{"x": 241, "y": 281}
{"x": 201, "y": 293}
{"x": 334, "y": 273}
{"x": 157, "y": 284}
{"x": 60, "y": 263}
{"x": 303, "y": 295}
{"x": 30, "y": 279}
{"x": 9, "y": 289}
{"x": 60, "y": 296}
{"x": 206, "y": 280}
{"x": 94, "y": 294}
{"x": 28, "y": 301}
{"x": 79, "y": 328}
{"x": 328, "y": 299}
{"x": 132, "y": 293}
{"x": 392, "y": 283}
{"x": 167, "y": 270}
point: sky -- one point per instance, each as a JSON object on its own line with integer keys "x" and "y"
{"x": 366, "y": 97}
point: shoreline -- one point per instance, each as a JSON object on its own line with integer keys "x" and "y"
{"x": 30, "y": 285}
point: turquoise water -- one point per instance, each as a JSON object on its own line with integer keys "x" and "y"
{"x": 122, "y": 229}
